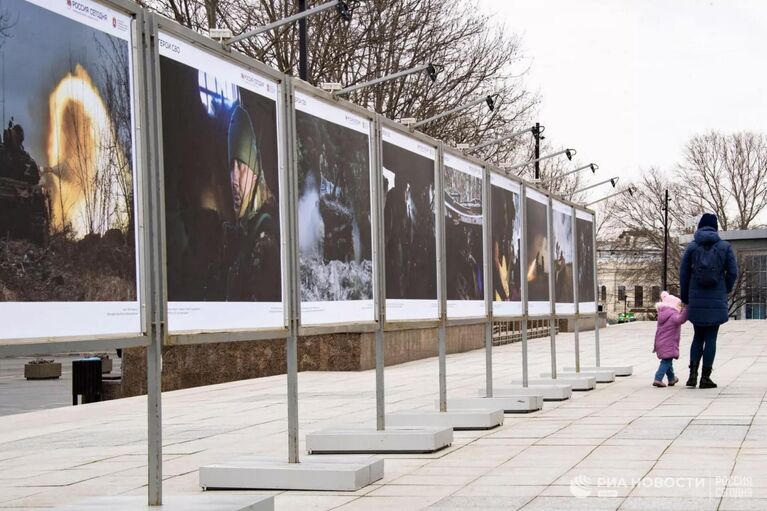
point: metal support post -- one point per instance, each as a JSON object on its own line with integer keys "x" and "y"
{"x": 293, "y": 290}
{"x": 441, "y": 278}
{"x": 487, "y": 236}
{"x": 523, "y": 280}
{"x": 552, "y": 300}
{"x": 379, "y": 285}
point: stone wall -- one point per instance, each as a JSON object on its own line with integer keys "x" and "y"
{"x": 208, "y": 364}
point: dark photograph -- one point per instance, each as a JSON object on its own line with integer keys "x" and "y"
{"x": 411, "y": 244}
{"x": 537, "y": 240}
{"x": 334, "y": 232}
{"x": 506, "y": 245}
{"x": 585, "y": 234}
{"x": 221, "y": 189}
{"x": 463, "y": 235}
{"x": 563, "y": 257}
{"x": 67, "y": 211}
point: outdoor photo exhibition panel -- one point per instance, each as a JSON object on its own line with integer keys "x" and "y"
{"x": 70, "y": 208}
{"x": 584, "y": 237}
{"x": 222, "y": 171}
{"x": 408, "y": 166}
{"x": 506, "y": 246}
{"x": 563, "y": 257}
{"x": 537, "y": 251}
{"x": 335, "y": 228}
{"x": 464, "y": 254}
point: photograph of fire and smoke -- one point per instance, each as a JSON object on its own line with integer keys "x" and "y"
{"x": 221, "y": 189}
{"x": 563, "y": 256}
{"x": 537, "y": 239}
{"x": 411, "y": 246}
{"x": 585, "y": 238}
{"x": 67, "y": 211}
{"x": 463, "y": 235}
{"x": 334, "y": 230}
{"x": 507, "y": 230}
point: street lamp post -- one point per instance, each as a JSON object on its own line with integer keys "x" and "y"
{"x": 665, "y": 241}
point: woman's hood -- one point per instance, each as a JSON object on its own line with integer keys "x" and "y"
{"x": 706, "y": 236}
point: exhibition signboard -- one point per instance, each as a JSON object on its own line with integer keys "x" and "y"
{"x": 70, "y": 210}
{"x": 410, "y": 252}
{"x": 335, "y": 228}
{"x": 506, "y": 245}
{"x": 221, "y": 165}
{"x": 464, "y": 254}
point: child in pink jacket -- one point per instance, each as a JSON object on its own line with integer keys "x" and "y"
{"x": 671, "y": 316}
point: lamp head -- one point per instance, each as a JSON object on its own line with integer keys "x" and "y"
{"x": 631, "y": 190}
{"x": 490, "y": 103}
{"x": 570, "y": 153}
{"x": 614, "y": 181}
{"x": 344, "y": 10}
{"x": 594, "y": 168}
{"x": 538, "y": 130}
{"x": 431, "y": 70}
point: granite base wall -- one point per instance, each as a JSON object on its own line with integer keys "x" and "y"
{"x": 208, "y": 364}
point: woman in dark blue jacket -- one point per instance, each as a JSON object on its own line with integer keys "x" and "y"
{"x": 707, "y": 275}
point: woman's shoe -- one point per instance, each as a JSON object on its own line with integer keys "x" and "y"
{"x": 705, "y": 379}
{"x": 658, "y": 383}
{"x": 673, "y": 382}
{"x": 692, "y": 381}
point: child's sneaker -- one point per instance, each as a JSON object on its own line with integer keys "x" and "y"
{"x": 673, "y": 382}
{"x": 657, "y": 383}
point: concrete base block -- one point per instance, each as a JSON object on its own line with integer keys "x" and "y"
{"x": 185, "y": 503}
{"x": 456, "y": 419}
{"x": 330, "y": 473}
{"x": 513, "y": 404}
{"x": 601, "y": 375}
{"x": 579, "y": 383}
{"x": 553, "y": 392}
{"x": 618, "y": 370}
{"x": 390, "y": 441}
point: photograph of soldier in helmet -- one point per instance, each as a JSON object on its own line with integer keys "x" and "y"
{"x": 221, "y": 188}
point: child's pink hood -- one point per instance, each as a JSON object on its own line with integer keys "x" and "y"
{"x": 667, "y": 300}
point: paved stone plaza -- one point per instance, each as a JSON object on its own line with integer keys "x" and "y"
{"x": 625, "y": 445}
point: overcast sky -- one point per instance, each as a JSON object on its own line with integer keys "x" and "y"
{"x": 627, "y": 83}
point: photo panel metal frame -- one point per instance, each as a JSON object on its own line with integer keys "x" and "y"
{"x": 537, "y": 309}
{"x": 587, "y": 308}
{"x": 475, "y": 311}
{"x": 50, "y": 344}
{"x": 368, "y": 324}
{"x": 567, "y": 207}
{"x": 254, "y": 73}
{"x": 512, "y": 310}
{"x": 419, "y": 319}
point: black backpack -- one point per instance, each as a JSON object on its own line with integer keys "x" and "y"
{"x": 707, "y": 267}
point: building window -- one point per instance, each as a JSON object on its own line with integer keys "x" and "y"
{"x": 755, "y": 286}
{"x": 638, "y": 296}
{"x": 655, "y": 294}
{"x": 621, "y": 293}
{"x": 603, "y": 293}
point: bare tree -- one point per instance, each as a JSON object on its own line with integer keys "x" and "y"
{"x": 386, "y": 36}
{"x": 725, "y": 175}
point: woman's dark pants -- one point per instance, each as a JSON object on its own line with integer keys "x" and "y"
{"x": 704, "y": 345}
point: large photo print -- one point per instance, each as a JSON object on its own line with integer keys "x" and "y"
{"x": 585, "y": 238}
{"x": 463, "y": 235}
{"x": 67, "y": 172}
{"x": 564, "y": 246}
{"x": 409, "y": 225}
{"x": 334, "y": 215}
{"x": 538, "y": 253}
{"x": 506, "y": 245}
{"x": 221, "y": 189}
{"x": 67, "y": 213}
